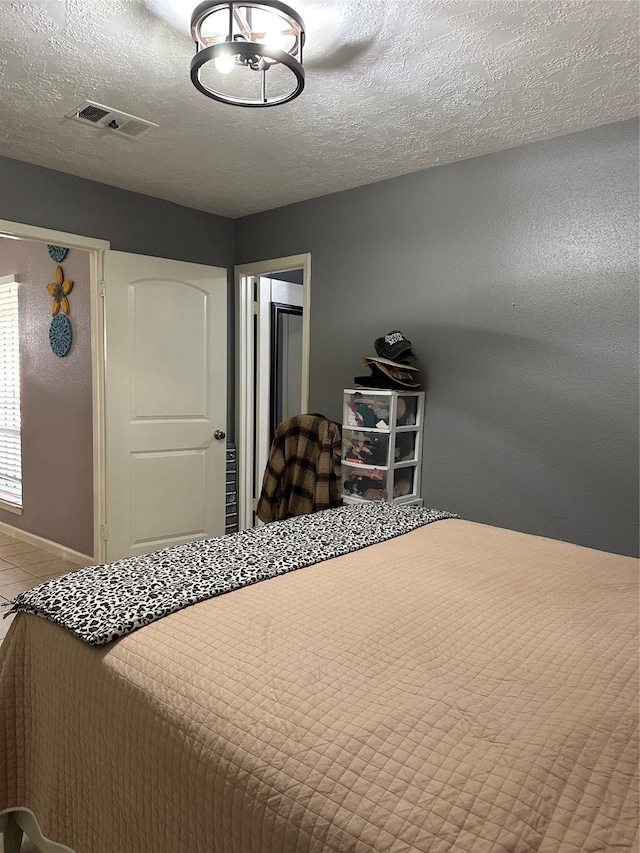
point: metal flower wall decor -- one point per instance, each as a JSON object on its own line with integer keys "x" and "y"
{"x": 60, "y": 335}
{"x": 59, "y": 290}
{"x": 57, "y": 253}
{"x": 60, "y": 331}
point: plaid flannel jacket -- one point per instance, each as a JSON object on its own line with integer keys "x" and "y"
{"x": 303, "y": 470}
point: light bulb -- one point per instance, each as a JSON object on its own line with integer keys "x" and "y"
{"x": 275, "y": 39}
{"x": 225, "y": 62}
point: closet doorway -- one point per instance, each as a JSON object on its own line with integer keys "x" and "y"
{"x": 272, "y": 364}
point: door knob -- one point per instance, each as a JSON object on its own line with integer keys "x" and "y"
{"x": 219, "y": 434}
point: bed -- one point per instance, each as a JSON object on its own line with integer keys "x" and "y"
{"x": 456, "y": 687}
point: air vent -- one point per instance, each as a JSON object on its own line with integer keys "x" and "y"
{"x": 92, "y": 114}
{"x": 107, "y": 118}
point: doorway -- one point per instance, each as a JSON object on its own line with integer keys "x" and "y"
{"x": 197, "y": 307}
{"x": 273, "y": 301}
{"x": 46, "y": 433}
{"x": 96, "y": 250}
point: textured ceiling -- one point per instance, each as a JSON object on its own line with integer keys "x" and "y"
{"x": 421, "y": 83}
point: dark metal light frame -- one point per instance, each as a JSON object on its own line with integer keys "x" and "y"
{"x": 252, "y": 55}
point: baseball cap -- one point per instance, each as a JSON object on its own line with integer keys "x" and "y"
{"x": 404, "y": 375}
{"x": 395, "y": 346}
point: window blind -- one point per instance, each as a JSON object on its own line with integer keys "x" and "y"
{"x": 10, "y": 438}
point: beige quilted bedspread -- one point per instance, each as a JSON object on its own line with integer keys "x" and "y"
{"x": 460, "y": 688}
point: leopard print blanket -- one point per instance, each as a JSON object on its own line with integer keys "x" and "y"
{"x": 102, "y": 603}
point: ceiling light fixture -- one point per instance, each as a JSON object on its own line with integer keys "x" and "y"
{"x": 257, "y": 38}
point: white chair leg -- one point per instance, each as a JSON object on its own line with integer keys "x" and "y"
{"x": 12, "y": 835}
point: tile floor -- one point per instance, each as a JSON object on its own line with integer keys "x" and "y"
{"x": 21, "y": 567}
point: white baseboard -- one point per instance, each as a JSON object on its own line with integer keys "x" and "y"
{"x": 53, "y": 548}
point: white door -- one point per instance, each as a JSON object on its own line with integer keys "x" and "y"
{"x": 165, "y": 398}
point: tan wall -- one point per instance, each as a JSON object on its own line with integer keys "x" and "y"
{"x": 57, "y": 434}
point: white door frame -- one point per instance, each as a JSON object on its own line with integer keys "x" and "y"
{"x": 245, "y": 378}
{"x": 96, "y": 249}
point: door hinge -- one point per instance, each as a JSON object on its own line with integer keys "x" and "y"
{"x": 104, "y": 532}
{"x": 101, "y": 289}
{"x": 254, "y": 307}
{"x": 255, "y": 504}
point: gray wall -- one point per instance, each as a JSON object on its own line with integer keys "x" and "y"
{"x": 514, "y": 274}
{"x": 516, "y": 277}
{"x": 57, "y": 434}
{"x": 131, "y": 222}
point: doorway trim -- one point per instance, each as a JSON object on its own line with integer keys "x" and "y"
{"x": 245, "y": 366}
{"x": 96, "y": 249}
